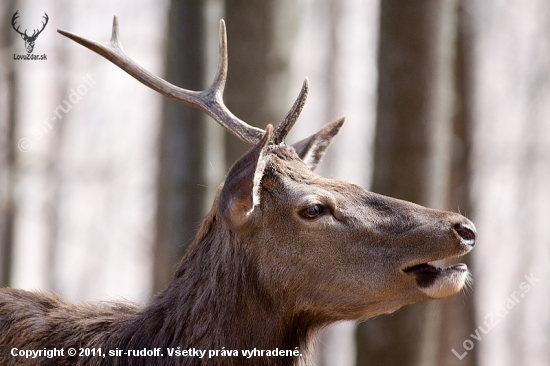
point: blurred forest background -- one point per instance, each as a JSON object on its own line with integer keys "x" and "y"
{"x": 447, "y": 105}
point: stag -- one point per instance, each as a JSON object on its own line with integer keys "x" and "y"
{"x": 29, "y": 40}
{"x": 282, "y": 253}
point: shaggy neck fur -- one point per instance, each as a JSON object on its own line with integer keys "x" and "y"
{"x": 215, "y": 302}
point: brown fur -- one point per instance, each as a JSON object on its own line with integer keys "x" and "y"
{"x": 282, "y": 253}
{"x": 249, "y": 286}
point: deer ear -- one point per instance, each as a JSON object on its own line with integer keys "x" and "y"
{"x": 312, "y": 149}
{"x": 239, "y": 194}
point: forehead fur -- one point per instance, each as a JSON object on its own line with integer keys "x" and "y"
{"x": 283, "y": 160}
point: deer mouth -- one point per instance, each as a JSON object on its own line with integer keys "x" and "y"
{"x": 439, "y": 282}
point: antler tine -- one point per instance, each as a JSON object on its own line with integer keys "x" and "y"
{"x": 46, "y": 18}
{"x": 218, "y": 84}
{"x": 210, "y": 100}
{"x": 14, "y": 21}
{"x": 114, "y": 34}
{"x": 284, "y": 127}
{"x": 36, "y": 32}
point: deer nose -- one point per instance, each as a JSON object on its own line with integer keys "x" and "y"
{"x": 467, "y": 232}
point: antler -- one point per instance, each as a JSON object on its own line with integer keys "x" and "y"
{"x": 34, "y": 34}
{"x": 13, "y": 20}
{"x": 209, "y": 101}
{"x": 286, "y": 124}
{"x": 43, "y": 26}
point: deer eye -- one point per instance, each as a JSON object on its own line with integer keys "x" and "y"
{"x": 312, "y": 211}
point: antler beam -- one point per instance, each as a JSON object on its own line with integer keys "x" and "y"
{"x": 14, "y": 21}
{"x": 209, "y": 101}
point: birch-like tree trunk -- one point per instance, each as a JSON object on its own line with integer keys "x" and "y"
{"x": 7, "y": 146}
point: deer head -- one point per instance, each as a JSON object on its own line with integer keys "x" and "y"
{"x": 29, "y": 40}
{"x": 309, "y": 250}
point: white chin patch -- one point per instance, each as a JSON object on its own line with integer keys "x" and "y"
{"x": 448, "y": 281}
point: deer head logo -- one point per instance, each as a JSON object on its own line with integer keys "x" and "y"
{"x": 29, "y": 40}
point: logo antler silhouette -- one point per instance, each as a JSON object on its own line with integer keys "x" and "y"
{"x": 29, "y": 40}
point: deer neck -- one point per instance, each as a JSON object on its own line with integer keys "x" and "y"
{"x": 215, "y": 302}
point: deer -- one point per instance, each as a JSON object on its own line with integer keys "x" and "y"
{"x": 282, "y": 253}
{"x": 29, "y": 40}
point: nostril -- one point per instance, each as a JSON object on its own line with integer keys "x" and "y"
{"x": 467, "y": 232}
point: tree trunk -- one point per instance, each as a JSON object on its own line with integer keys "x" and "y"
{"x": 457, "y": 313}
{"x": 181, "y": 189}
{"x": 7, "y": 155}
{"x": 260, "y": 37}
{"x": 412, "y": 154}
